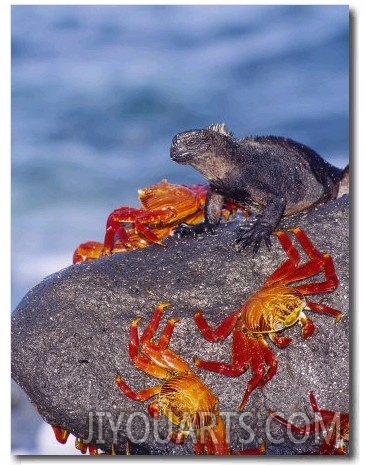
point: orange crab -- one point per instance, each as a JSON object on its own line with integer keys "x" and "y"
{"x": 273, "y": 308}
{"x": 164, "y": 206}
{"x": 62, "y": 436}
{"x": 91, "y": 250}
{"x": 87, "y": 251}
{"x": 334, "y": 441}
{"x": 183, "y": 398}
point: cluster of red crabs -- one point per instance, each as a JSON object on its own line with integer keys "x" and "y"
{"x": 183, "y": 397}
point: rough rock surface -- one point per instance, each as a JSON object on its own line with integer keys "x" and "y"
{"x": 70, "y": 338}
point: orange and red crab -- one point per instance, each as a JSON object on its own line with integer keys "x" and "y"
{"x": 62, "y": 436}
{"x": 87, "y": 251}
{"x": 274, "y": 307}
{"x": 164, "y": 207}
{"x": 183, "y": 398}
{"x": 334, "y": 426}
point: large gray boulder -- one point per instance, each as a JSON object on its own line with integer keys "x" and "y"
{"x": 70, "y": 338}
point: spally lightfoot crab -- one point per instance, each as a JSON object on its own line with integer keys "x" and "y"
{"x": 332, "y": 426}
{"x": 62, "y": 436}
{"x": 182, "y": 397}
{"x": 277, "y": 305}
{"x": 163, "y": 207}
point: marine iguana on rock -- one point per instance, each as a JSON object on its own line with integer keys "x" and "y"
{"x": 275, "y": 176}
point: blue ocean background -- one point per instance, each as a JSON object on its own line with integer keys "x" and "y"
{"x": 98, "y": 92}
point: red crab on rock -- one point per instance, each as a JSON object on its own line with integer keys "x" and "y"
{"x": 163, "y": 207}
{"x": 333, "y": 425}
{"x": 182, "y": 397}
{"x": 276, "y": 306}
{"x": 62, "y": 436}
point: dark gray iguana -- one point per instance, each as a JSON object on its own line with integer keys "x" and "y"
{"x": 275, "y": 176}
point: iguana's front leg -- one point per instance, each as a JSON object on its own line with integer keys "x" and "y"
{"x": 258, "y": 228}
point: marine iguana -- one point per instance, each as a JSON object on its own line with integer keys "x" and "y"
{"x": 275, "y": 176}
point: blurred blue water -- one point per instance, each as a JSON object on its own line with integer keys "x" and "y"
{"x": 98, "y": 92}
